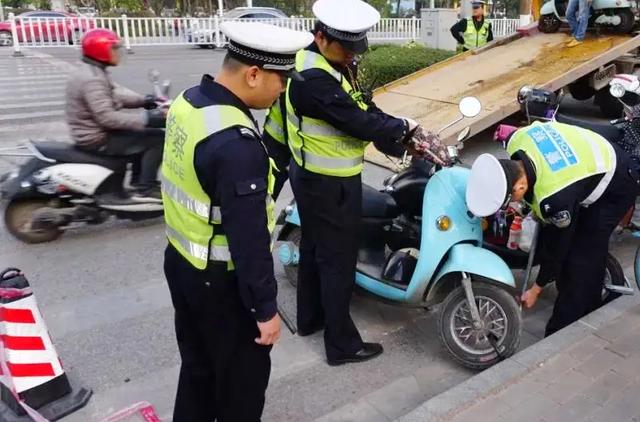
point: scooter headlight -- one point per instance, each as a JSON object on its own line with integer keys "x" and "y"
{"x": 443, "y": 223}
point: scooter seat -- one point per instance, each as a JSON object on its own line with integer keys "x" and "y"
{"x": 609, "y": 132}
{"x": 66, "y": 153}
{"x": 377, "y": 204}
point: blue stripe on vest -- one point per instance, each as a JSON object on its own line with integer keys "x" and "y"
{"x": 555, "y": 150}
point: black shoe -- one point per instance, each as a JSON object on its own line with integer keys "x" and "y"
{"x": 314, "y": 329}
{"x": 368, "y": 351}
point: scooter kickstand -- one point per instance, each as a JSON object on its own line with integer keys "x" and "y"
{"x": 473, "y": 306}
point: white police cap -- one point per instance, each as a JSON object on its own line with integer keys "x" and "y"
{"x": 487, "y": 186}
{"x": 347, "y": 21}
{"x": 267, "y": 46}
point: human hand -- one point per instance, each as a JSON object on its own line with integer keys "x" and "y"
{"x": 530, "y": 297}
{"x": 427, "y": 145}
{"x": 150, "y": 102}
{"x": 269, "y": 331}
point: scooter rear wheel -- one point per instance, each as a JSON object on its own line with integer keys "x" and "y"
{"x": 501, "y": 320}
{"x": 18, "y": 216}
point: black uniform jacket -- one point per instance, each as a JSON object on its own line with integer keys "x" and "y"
{"x": 560, "y": 211}
{"x": 320, "y": 96}
{"x": 232, "y": 168}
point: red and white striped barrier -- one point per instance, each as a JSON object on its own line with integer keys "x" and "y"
{"x": 31, "y": 374}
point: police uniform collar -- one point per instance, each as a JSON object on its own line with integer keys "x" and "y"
{"x": 219, "y": 94}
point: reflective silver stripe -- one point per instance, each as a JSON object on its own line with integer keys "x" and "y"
{"x": 273, "y": 126}
{"x": 213, "y": 119}
{"x": 315, "y": 129}
{"x": 184, "y": 199}
{"x": 310, "y": 63}
{"x": 201, "y": 252}
{"x": 334, "y": 163}
{"x": 606, "y": 179}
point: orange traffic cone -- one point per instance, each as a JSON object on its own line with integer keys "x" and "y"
{"x": 33, "y": 384}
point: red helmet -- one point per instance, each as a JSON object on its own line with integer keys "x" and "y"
{"x": 97, "y": 44}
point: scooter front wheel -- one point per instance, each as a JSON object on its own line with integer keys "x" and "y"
{"x": 494, "y": 339}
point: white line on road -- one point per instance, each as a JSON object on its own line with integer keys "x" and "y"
{"x": 31, "y": 116}
{"x": 15, "y": 91}
{"x": 33, "y": 82}
{"x": 59, "y": 127}
{"x": 43, "y": 96}
{"x": 50, "y": 75}
{"x": 35, "y": 104}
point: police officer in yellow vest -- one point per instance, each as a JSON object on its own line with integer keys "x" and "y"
{"x": 217, "y": 181}
{"x": 328, "y": 125}
{"x": 579, "y": 185}
{"x": 475, "y": 32}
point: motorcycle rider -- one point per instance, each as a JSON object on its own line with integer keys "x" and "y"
{"x": 579, "y": 185}
{"x": 99, "y": 124}
{"x": 328, "y": 124}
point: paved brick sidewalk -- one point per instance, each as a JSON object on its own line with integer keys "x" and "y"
{"x": 594, "y": 377}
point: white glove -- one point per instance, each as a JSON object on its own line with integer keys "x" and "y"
{"x": 411, "y": 124}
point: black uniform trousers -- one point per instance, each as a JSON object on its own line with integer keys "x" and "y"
{"x": 224, "y": 372}
{"x": 580, "y": 282}
{"x": 330, "y": 209}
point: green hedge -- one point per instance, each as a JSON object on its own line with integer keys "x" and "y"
{"x": 386, "y": 63}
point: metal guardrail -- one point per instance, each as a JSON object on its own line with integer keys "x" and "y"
{"x": 205, "y": 32}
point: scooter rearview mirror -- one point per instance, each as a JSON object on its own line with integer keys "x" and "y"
{"x": 166, "y": 86}
{"x": 470, "y": 107}
{"x": 464, "y": 134}
{"x": 154, "y": 75}
{"x": 617, "y": 90}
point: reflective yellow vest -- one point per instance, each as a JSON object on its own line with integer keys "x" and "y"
{"x": 274, "y": 123}
{"x": 315, "y": 144}
{"x": 192, "y": 222}
{"x": 474, "y": 38}
{"x": 563, "y": 155}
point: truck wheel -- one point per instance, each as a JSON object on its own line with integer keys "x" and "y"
{"x": 291, "y": 271}
{"x": 627, "y": 21}
{"x": 581, "y": 90}
{"x": 610, "y": 107}
{"x": 500, "y": 317}
{"x": 549, "y": 24}
{"x": 18, "y": 217}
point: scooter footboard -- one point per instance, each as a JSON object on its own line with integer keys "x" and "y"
{"x": 471, "y": 259}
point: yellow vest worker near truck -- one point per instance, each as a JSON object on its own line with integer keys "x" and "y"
{"x": 328, "y": 126}
{"x": 475, "y": 32}
{"x": 579, "y": 185}
{"x": 217, "y": 181}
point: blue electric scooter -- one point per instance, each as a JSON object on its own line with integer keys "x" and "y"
{"x": 421, "y": 246}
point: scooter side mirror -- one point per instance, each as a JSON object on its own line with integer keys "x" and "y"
{"x": 464, "y": 134}
{"x": 617, "y": 90}
{"x": 166, "y": 87}
{"x": 154, "y": 75}
{"x": 470, "y": 107}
